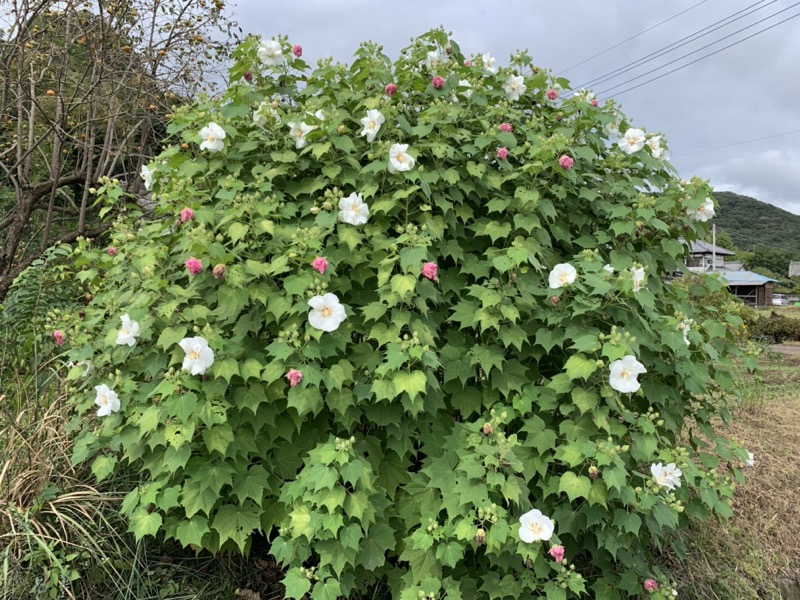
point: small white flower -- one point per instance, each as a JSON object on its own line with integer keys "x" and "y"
{"x": 399, "y": 159}
{"x": 128, "y": 331}
{"x": 666, "y": 476}
{"x": 561, "y": 275}
{"x": 199, "y": 356}
{"x": 299, "y": 131}
{"x": 704, "y": 213}
{"x": 685, "y": 327}
{"x": 269, "y": 52}
{"x": 263, "y": 112}
{"x": 623, "y": 373}
{"x": 432, "y": 59}
{"x": 489, "y": 63}
{"x": 514, "y": 87}
{"x": 585, "y": 95}
{"x": 632, "y": 141}
{"x": 467, "y": 93}
{"x": 320, "y": 115}
{"x": 107, "y": 400}
{"x": 326, "y": 312}
{"x": 535, "y": 527}
{"x": 751, "y": 460}
{"x": 656, "y": 149}
{"x": 608, "y": 268}
{"x": 612, "y": 130}
{"x": 353, "y": 210}
{"x": 637, "y": 277}
{"x": 212, "y": 135}
{"x": 372, "y": 124}
{"x": 147, "y": 176}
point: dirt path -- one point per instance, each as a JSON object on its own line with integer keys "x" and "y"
{"x": 784, "y": 349}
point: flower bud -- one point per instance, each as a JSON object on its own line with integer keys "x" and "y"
{"x": 218, "y": 271}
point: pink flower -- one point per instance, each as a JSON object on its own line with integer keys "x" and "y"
{"x": 319, "y": 264}
{"x": 430, "y": 270}
{"x": 218, "y": 271}
{"x": 467, "y": 63}
{"x": 194, "y": 266}
{"x": 59, "y": 335}
{"x": 650, "y": 585}
{"x": 566, "y": 162}
{"x": 294, "y": 376}
{"x": 507, "y": 127}
{"x": 595, "y": 102}
{"x": 297, "y": 50}
{"x": 552, "y": 94}
{"x": 390, "y": 89}
{"x": 554, "y": 300}
{"x": 502, "y": 153}
{"x": 187, "y": 214}
{"x": 112, "y": 251}
{"x": 437, "y": 82}
{"x": 557, "y": 552}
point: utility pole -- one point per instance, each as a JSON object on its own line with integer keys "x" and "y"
{"x": 713, "y": 246}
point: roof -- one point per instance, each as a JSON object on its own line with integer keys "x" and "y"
{"x": 701, "y": 247}
{"x": 744, "y": 277}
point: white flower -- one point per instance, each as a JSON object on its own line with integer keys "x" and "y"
{"x": 561, "y": 275}
{"x": 623, "y": 374}
{"x": 666, "y": 476}
{"x": 751, "y": 460}
{"x": 128, "y": 331}
{"x": 147, "y": 176}
{"x": 632, "y": 141}
{"x": 534, "y": 527}
{"x": 514, "y": 87}
{"x": 585, "y": 95}
{"x": 198, "y": 355}
{"x": 608, "y": 268}
{"x": 107, "y": 400}
{"x": 320, "y": 115}
{"x": 212, "y": 135}
{"x": 326, "y": 312}
{"x": 399, "y": 160}
{"x": 654, "y": 143}
{"x": 637, "y": 277}
{"x": 685, "y": 327}
{"x": 353, "y": 210}
{"x": 432, "y": 59}
{"x": 299, "y": 132}
{"x": 703, "y": 213}
{"x": 612, "y": 130}
{"x": 263, "y": 111}
{"x": 467, "y": 93}
{"x": 372, "y": 124}
{"x": 488, "y": 63}
{"x": 270, "y": 53}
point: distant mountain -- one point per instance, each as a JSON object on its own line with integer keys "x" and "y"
{"x": 752, "y": 223}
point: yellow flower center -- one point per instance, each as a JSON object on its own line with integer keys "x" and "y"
{"x": 372, "y": 125}
{"x": 193, "y": 355}
{"x": 298, "y": 133}
{"x": 354, "y": 208}
{"x": 624, "y": 374}
{"x": 124, "y": 331}
{"x": 103, "y": 400}
{"x": 326, "y": 312}
{"x": 534, "y": 527}
{"x": 210, "y": 137}
{"x": 563, "y": 278}
{"x": 401, "y": 158}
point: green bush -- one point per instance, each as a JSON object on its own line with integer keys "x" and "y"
{"x": 775, "y": 328}
{"x": 393, "y": 412}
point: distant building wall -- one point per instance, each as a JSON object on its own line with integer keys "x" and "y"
{"x": 794, "y": 268}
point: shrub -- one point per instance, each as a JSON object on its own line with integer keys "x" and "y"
{"x": 385, "y": 339}
{"x": 775, "y": 328}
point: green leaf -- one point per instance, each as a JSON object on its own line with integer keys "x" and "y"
{"x": 236, "y": 523}
{"x": 378, "y": 541}
{"x": 218, "y": 438}
{"x": 574, "y": 486}
{"x": 144, "y": 523}
{"x": 237, "y": 231}
{"x": 404, "y": 284}
{"x": 330, "y": 589}
{"x": 171, "y": 336}
{"x": 412, "y": 383}
{"x": 103, "y": 466}
{"x": 296, "y": 584}
{"x": 579, "y": 366}
{"x": 191, "y": 531}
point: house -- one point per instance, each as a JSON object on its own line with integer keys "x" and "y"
{"x": 705, "y": 256}
{"x": 794, "y": 268}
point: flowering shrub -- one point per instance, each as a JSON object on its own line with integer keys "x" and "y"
{"x": 399, "y": 353}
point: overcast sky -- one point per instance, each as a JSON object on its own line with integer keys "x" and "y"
{"x": 746, "y": 92}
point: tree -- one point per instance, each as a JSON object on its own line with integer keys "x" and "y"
{"x": 86, "y": 87}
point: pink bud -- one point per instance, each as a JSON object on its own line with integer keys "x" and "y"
{"x": 194, "y": 266}
{"x": 437, "y": 82}
{"x": 112, "y": 251}
{"x": 297, "y": 50}
{"x": 595, "y": 102}
{"x": 319, "y": 264}
{"x": 554, "y": 300}
{"x": 248, "y": 76}
{"x": 59, "y": 336}
{"x": 566, "y": 162}
{"x": 218, "y": 271}
{"x": 294, "y": 376}
{"x": 552, "y": 94}
{"x": 507, "y": 127}
{"x": 390, "y": 89}
{"x": 502, "y": 153}
{"x": 467, "y": 63}
{"x": 187, "y": 214}
{"x": 430, "y": 270}
{"x": 650, "y": 585}
{"x": 557, "y": 552}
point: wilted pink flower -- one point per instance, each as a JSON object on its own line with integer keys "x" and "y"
{"x": 566, "y": 162}
{"x": 248, "y": 76}
{"x": 297, "y": 50}
{"x": 437, "y": 82}
{"x": 595, "y": 102}
{"x": 508, "y": 127}
{"x": 112, "y": 251}
{"x": 218, "y": 271}
{"x": 502, "y": 153}
{"x": 390, "y": 89}
{"x": 554, "y": 300}
{"x": 557, "y": 552}
{"x": 430, "y": 270}
{"x": 319, "y": 264}
{"x": 194, "y": 266}
{"x": 59, "y": 335}
{"x": 552, "y": 94}
{"x": 294, "y": 376}
{"x": 187, "y": 214}
{"x": 650, "y": 585}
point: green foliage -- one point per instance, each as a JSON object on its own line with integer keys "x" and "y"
{"x": 442, "y": 408}
{"x": 775, "y": 328}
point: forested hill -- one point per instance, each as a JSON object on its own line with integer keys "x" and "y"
{"x": 751, "y": 223}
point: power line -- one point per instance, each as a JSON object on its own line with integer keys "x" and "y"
{"x": 678, "y": 44}
{"x": 609, "y": 49}
{"x": 698, "y": 59}
{"x": 766, "y": 137}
